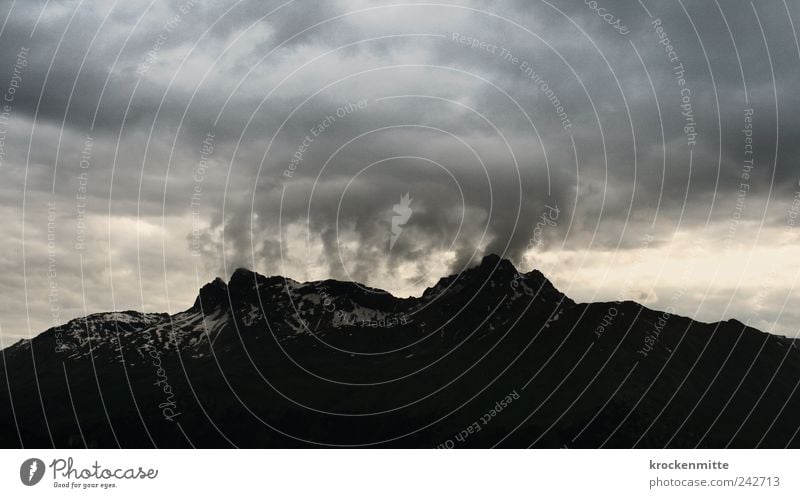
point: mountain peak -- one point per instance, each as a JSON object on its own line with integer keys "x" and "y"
{"x": 494, "y": 267}
{"x": 212, "y": 295}
{"x": 244, "y": 280}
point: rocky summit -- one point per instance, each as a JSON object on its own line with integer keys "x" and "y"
{"x": 489, "y": 357}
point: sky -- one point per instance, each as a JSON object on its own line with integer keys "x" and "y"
{"x": 629, "y": 150}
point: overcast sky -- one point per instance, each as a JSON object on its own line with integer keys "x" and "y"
{"x": 639, "y": 150}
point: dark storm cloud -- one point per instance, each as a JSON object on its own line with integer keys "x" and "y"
{"x": 488, "y": 98}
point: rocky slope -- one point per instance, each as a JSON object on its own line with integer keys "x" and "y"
{"x": 488, "y": 357}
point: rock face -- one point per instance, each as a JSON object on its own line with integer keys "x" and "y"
{"x": 488, "y": 357}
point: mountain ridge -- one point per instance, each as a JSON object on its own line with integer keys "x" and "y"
{"x": 271, "y": 362}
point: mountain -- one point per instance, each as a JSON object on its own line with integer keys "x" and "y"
{"x": 488, "y": 357}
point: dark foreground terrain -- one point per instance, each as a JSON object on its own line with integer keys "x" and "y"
{"x": 489, "y": 357}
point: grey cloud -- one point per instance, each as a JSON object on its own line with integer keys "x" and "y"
{"x": 603, "y": 201}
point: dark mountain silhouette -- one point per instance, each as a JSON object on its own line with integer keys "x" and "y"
{"x": 488, "y": 357}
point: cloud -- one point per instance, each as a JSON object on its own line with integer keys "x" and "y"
{"x": 488, "y": 114}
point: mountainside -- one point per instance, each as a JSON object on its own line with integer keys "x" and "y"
{"x": 488, "y": 357}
